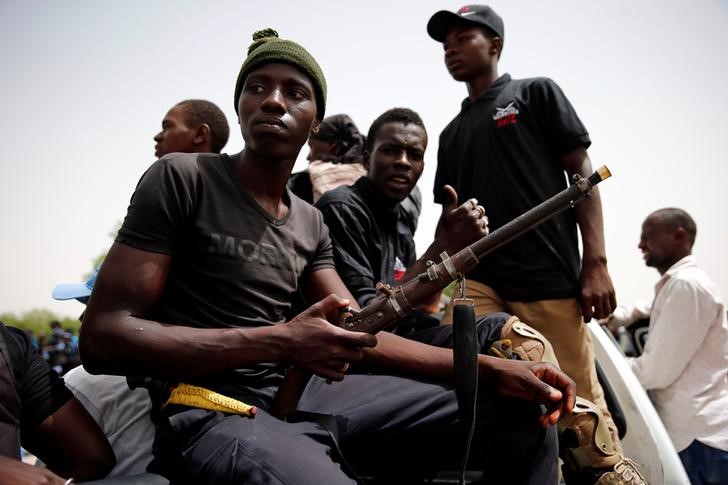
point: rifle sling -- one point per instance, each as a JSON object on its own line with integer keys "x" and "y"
{"x": 465, "y": 355}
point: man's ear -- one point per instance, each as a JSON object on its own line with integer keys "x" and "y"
{"x": 202, "y": 134}
{"x": 496, "y": 46}
{"x": 315, "y": 127}
{"x": 681, "y": 236}
{"x": 365, "y": 159}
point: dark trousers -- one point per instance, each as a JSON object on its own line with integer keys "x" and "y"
{"x": 388, "y": 426}
{"x": 704, "y": 464}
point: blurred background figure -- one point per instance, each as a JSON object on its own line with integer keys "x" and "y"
{"x": 684, "y": 363}
{"x": 335, "y": 158}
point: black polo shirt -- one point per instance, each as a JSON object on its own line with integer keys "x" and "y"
{"x": 505, "y": 149}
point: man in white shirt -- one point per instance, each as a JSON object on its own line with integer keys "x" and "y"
{"x": 684, "y": 364}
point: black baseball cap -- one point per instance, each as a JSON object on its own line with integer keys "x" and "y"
{"x": 476, "y": 14}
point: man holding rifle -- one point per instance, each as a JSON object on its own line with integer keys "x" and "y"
{"x": 372, "y": 235}
{"x": 195, "y": 291}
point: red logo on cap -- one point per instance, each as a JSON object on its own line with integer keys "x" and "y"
{"x": 464, "y": 9}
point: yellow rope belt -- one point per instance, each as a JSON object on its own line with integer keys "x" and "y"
{"x": 201, "y": 398}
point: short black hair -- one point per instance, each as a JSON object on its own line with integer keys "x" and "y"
{"x": 394, "y": 115}
{"x": 201, "y": 111}
{"x": 675, "y": 218}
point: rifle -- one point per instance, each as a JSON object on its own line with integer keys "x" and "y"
{"x": 392, "y": 305}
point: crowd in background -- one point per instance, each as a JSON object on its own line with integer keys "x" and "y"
{"x": 59, "y": 347}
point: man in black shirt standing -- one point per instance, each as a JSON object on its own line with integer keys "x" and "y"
{"x": 512, "y": 146}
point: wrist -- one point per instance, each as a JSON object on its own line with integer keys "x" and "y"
{"x": 434, "y": 250}
{"x": 594, "y": 261}
{"x": 487, "y": 367}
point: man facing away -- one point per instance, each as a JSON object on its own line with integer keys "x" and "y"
{"x": 684, "y": 365}
{"x": 511, "y": 147}
{"x": 196, "y": 287}
{"x": 190, "y": 126}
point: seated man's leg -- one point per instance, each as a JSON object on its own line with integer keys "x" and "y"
{"x": 589, "y": 448}
{"x": 200, "y": 446}
{"x": 391, "y": 422}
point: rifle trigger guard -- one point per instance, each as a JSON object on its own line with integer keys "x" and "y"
{"x": 447, "y": 263}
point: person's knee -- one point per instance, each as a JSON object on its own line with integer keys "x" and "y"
{"x": 586, "y": 439}
{"x": 524, "y": 341}
{"x": 490, "y": 329}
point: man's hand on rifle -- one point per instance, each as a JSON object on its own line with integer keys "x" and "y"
{"x": 534, "y": 381}
{"x": 460, "y": 225}
{"x": 314, "y": 341}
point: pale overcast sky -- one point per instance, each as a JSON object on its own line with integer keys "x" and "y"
{"x": 85, "y": 84}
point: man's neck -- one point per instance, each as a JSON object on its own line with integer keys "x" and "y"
{"x": 662, "y": 270}
{"x": 264, "y": 180}
{"x": 480, "y": 84}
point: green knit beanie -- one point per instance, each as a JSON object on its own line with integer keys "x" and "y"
{"x": 267, "y": 47}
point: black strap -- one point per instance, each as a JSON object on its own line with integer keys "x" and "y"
{"x": 465, "y": 360}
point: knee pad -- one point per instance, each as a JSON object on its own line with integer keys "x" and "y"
{"x": 584, "y": 438}
{"x": 523, "y": 341}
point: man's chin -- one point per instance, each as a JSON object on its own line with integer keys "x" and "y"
{"x": 460, "y": 76}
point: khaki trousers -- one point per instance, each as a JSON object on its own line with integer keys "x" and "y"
{"x": 560, "y": 321}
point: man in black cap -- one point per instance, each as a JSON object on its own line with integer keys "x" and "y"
{"x": 510, "y": 147}
{"x": 196, "y": 291}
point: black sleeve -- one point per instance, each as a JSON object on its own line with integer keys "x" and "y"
{"x": 559, "y": 118}
{"x": 350, "y": 239}
{"x": 300, "y": 184}
{"x": 441, "y": 175}
{"x": 40, "y": 389}
{"x": 160, "y": 205}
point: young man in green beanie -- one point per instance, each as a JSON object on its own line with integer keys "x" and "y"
{"x": 196, "y": 291}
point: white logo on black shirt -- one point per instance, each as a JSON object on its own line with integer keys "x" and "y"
{"x": 507, "y": 115}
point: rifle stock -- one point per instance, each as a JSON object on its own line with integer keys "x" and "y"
{"x": 392, "y": 305}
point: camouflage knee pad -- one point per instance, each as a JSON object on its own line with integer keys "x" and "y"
{"x": 523, "y": 341}
{"x": 585, "y": 438}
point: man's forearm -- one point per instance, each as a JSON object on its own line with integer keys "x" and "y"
{"x": 126, "y": 345}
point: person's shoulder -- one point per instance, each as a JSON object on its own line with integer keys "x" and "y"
{"x": 452, "y": 127}
{"x": 185, "y": 169}
{"x": 15, "y": 338}
{"x": 541, "y": 83}
{"x": 343, "y": 194}
{"x": 696, "y": 279}
{"x": 18, "y": 350}
{"x": 189, "y": 162}
{"x": 302, "y": 206}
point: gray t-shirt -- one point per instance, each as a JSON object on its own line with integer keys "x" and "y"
{"x": 233, "y": 264}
